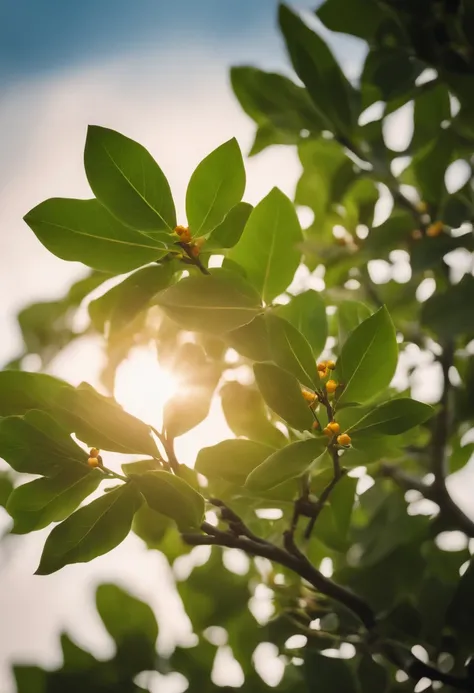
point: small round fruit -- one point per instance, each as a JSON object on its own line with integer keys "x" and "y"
{"x": 344, "y": 439}
{"x": 309, "y": 396}
{"x": 331, "y": 386}
{"x": 93, "y": 462}
{"x": 334, "y": 427}
{"x": 315, "y": 426}
{"x": 331, "y": 365}
{"x": 435, "y": 229}
{"x": 94, "y": 452}
{"x": 327, "y": 432}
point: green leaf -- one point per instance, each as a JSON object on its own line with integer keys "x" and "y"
{"x": 282, "y": 392}
{"x": 216, "y": 186}
{"x": 334, "y": 522}
{"x": 393, "y": 417}
{"x": 288, "y": 463}
{"x": 21, "y": 391}
{"x": 350, "y": 314}
{"x": 91, "y": 531}
{"x": 6, "y": 488}
{"x": 128, "y": 181}
{"x": 430, "y": 164}
{"x": 231, "y": 460}
{"x": 307, "y": 312}
{"x": 229, "y": 231}
{"x": 280, "y": 108}
{"x": 217, "y": 303}
{"x": 368, "y": 358}
{"x": 450, "y": 313}
{"x": 244, "y": 410}
{"x": 118, "y": 307}
{"x": 173, "y": 497}
{"x": 36, "y": 444}
{"x": 359, "y": 17}
{"x": 100, "y": 422}
{"x": 132, "y": 625}
{"x": 291, "y": 351}
{"x": 191, "y": 404}
{"x": 373, "y": 677}
{"x": 460, "y": 609}
{"x": 268, "y": 248}
{"x": 140, "y": 467}
{"x": 431, "y": 109}
{"x": 84, "y": 231}
{"x": 327, "y": 674}
{"x": 251, "y": 340}
{"x": 38, "y": 503}
{"x": 316, "y": 67}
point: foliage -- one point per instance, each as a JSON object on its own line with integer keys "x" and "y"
{"x": 322, "y": 401}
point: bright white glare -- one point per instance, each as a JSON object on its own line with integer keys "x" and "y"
{"x": 380, "y": 271}
{"x": 422, "y": 685}
{"x": 451, "y": 541}
{"x": 419, "y": 652}
{"x": 268, "y": 664}
{"x": 456, "y": 176}
{"x": 236, "y": 561}
{"x": 305, "y": 216}
{"x": 296, "y": 642}
{"x": 373, "y": 112}
{"x": 216, "y": 635}
{"x": 143, "y": 387}
{"x": 425, "y": 289}
{"x": 269, "y": 513}
{"x": 399, "y": 164}
{"x": 428, "y": 75}
{"x": 226, "y": 670}
{"x": 326, "y": 567}
{"x": 398, "y": 128}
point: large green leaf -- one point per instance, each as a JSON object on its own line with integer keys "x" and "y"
{"x": 92, "y": 530}
{"x": 128, "y": 181}
{"x": 268, "y": 248}
{"x": 229, "y": 231}
{"x": 393, "y": 417}
{"x": 119, "y": 306}
{"x": 244, "y": 410}
{"x": 461, "y": 606}
{"x": 290, "y": 462}
{"x": 173, "y": 497}
{"x": 84, "y": 231}
{"x": 100, "y": 422}
{"x": 318, "y": 70}
{"x": 307, "y": 312}
{"x": 350, "y": 314}
{"x": 191, "y": 404}
{"x": 368, "y": 358}
{"x": 450, "y": 313}
{"x": 131, "y": 623}
{"x": 217, "y": 303}
{"x": 51, "y": 499}
{"x": 334, "y": 522}
{"x": 291, "y": 351}
{"x": 216, "y": 186}
{"x": 251, "y": 340}
{"x": 36, "y": 444}
{"x": 359, "y": 17}
{"x": 232, "y": 460}
{"x": 21, "y": 391}
{"x": 282, "y": 392}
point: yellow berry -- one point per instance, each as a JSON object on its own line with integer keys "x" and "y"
{"x": 322, "y": 366}
{"x": 344, "y": 439}
{"x": 93, "y": 462}
{"x": 94, "y": 452}
{"x": 331, "y": 386}
{"x": 435, "y": 229}
{"x": 334, "y": 427}
{"x": 327, "y": 431}
{"x": 184, "y": 234}
{"x": 331, "y": 365}
{"x": 309, "y": 396}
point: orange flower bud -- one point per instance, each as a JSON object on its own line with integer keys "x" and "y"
{"x": 322, "y": 366}
{"x": 334, "y": 427}
{"x": 309, "y": 396}
{"x": 344, "y": 439}
{"x": 315, "y": 426}
{"x": 184, "y": 233}
{"x": 331, "y": 386}
{"x": 331, "y": 365}
{"x": 93, "y": 462}
{"x": 435, "y": 229}
{"x": 94, "y": 452}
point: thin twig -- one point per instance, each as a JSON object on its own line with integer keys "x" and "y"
{"x": 194, "y": 260}
{"x": 168, "y": 447}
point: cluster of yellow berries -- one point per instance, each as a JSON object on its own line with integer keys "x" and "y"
{"x": 333, "y": 429}
{"x": 95, "y": 460}
{"x": 309, "y": 395}
{"x": 324, "y": 367}
{"x": 185, "y": 237}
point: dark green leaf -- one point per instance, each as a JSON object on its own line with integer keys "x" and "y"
{"x": 307, "y": 312}
{"x": 430, "y": 164}
{"x": 100, "y": 422}
{"x": 218, "y": 303}
{"x": 84, "y": 231}
{"x": 36, "y": 444}
{"x": 359, "y": 17}
{"x": 431, "y": 109}
{"x": 251, "y": 340}
{"x": 21, "y": 391}
{"x": 231, "y": 460}
{"x": 460, "y": 609}
{"x": 291, "y": 351}
{"x": 450, "y": 313}
{"x": 268, "y": 248}
{"x": 216, "y": 186}
{"x": 350, "y": 314}
{"x": 327, "y": 674}
{"x": 128, "y": 181}
{"x": 119, "y": 306}
{"x": 373, "y": 677}
{"x": 318, "y": 70}
{"x": 91, "y": 531}
{"x": 282, "y": 392}
{"x": 368, "y": 358}
{"x": 333, "y": 524}
{"x": 173, "y": 497}
{"x": 229, "y": 231}
{"x": 245, "y": 414}
{"x": 393, "y": 417}
{"x": 38, "y": 503}
{"x": 288, "y": 463}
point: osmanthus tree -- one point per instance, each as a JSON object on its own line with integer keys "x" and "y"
{"x": 321, "y": 403}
